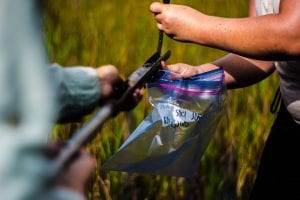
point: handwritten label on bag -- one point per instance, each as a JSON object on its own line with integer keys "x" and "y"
{"x": 175, "y": 116}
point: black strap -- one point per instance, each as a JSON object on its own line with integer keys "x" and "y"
{"x": 276, "y": 102}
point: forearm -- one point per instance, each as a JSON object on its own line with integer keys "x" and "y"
{"x": 241, "y": 72}
{"x": 249, "y": 37}
{"x": 269, "y": 37}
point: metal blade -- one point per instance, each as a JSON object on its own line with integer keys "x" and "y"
{"x": 137, "y": 74}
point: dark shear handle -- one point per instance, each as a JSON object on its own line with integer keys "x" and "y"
{"x": 161, "y": 34}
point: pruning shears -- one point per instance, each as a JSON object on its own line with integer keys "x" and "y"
{"x": 136, "y": 80}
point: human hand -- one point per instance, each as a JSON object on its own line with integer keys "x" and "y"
{"x": 77, "y": 171}
{"x": 109, "y": 78}
{"x": 76, "y": 174}
{"x": 113, "y": 86}
{"x": 186, "y": 70}
{"x": 177, "y": 21}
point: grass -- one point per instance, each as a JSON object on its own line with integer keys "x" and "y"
{"x": 123, "y": 33}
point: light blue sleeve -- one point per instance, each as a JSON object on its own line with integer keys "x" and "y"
{"x": 27, "y": 106}
{"x": 78, "y": 91}
{"x": 61, "y": 194}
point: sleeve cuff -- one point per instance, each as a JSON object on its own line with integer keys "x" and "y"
{"x": 60, "y": 193}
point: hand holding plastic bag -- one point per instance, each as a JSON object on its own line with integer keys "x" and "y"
{"x": 172, "y": 138}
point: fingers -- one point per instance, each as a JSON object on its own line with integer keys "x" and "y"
{"x": 109, "y": 79}
{"x": 133, "y": 100}
{"x": 79, "y": 171}
{"x": 108, "y": 72}
{"x": 184, "y": 70}
{"x": 177, "y": 68}
{"x": 160, "y": 26}
{"x": 138, "y": 95}
{"x": 156, "y": 7}
{"x": 164, "y": 64}
{"x": 86, "y": 161}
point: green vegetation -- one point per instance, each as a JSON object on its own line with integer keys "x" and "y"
{"x": 123, "y": 33}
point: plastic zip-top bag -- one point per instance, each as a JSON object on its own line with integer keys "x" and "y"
{"x": 173, "y": 137}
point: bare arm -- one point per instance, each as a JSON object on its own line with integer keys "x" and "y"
{"x": 239, "y": 71}
{"x": 269, "y": 37}
{"x": 242, "y": 71}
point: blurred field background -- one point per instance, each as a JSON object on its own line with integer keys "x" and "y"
{"x": 123, "y": 33}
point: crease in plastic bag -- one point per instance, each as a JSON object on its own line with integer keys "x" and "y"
{"x": 173, "y": 137}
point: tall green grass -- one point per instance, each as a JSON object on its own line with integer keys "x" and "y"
{"x": 123, "y": 33}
